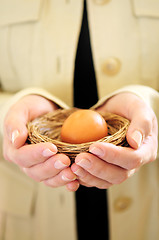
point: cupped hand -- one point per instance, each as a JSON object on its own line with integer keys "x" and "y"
{"x": 107, "y": 164}
{"x": 39, "y": 161}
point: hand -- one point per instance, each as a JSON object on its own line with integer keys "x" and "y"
{"x": 39, "y": 161}
{"x": 107, "y": 164}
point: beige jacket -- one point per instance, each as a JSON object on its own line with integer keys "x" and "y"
{"x": 38, "y": 41}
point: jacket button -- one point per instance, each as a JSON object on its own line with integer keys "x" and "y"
{"x": 111, "y": 66}
{"x": 101, "y": 2}
{"x": 122, "y": 203}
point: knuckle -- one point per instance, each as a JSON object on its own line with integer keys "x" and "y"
{"x": 37, "y": 178}
{"x": 33, "y": 175}
{"x": 8, "y": 126}
{"x": 85, "y": 177}
{"x": 50, "y": 183}
{"x": 89, "y": 180}
{"x": 122, "y": 177}
{"x": 20, "y": 163}
{"x": 105, "y": 185}
{"x": 97, "y": 171}
{"x": 6, "y": 156}
{"x": 115, "y": 154}
{"x": 7, "y": 122}
{"x": 136, "y": 162}
{"x": 46, "y": 183}
{"x": 36, "y": 156}
{"x": 111, "y": 155}
{"x": 46, "y": 168}
{"x": 147, "y": 123}
{"x": 153, "y": 158}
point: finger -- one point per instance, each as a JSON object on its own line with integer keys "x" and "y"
{"x": 64, "y": 177}
{"x": 26, "y": 109}
{"x": 126, "y": 157}
{"x": 15, "y": 129}
{"x": 72, "y": 186}
{"x": 140, "y": 127}
{"x": 85, "y": 178}
{"x": 123, "y": 157}
{"x": 29, "y": 155}
{"x": 141, "y": 116}
{"x": 101, "y": 169}
{"x": 83, "y": 183}
{"x": 49, "y": 168}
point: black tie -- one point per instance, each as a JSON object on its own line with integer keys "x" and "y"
{"x": 91, "y": 203}
{"x": 85, "y": 89}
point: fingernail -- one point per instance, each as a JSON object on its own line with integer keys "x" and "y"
{"x": 67, "y": 179}
{"x": 137, "y": 137}
{"x": 97, "y": 151}
{"x": 48, "y": 153}
{"x": 15, "y": 134}
{"x": 85, "y": 163}
{"x": 59, "y": 165}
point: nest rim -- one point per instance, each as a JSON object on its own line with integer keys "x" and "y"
{"x": 39, "y": 128}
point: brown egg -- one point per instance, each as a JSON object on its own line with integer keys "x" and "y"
{"x": 83, "y": 126}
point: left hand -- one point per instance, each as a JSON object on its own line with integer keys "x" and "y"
{"x": 107, "y": 164}
{"x": 41, "y": 161}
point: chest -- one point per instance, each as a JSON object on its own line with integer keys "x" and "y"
{"x": 38, "y": 42}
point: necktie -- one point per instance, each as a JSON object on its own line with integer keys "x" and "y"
{"x": 91, "y": 203}
{"x": 85, "y": 89}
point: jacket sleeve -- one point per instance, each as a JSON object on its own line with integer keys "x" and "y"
{"x": 7, "y": 100}
{"x": 149, "y": 95}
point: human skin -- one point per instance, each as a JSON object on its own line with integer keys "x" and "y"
{"x": 105, "y": 164}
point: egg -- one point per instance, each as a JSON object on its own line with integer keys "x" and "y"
{"x": 83, "y": 126}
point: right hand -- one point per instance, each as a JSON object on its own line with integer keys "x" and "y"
{"x": 39, "y": 161}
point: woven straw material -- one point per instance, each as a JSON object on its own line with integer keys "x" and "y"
{"x": 47, "y": 128}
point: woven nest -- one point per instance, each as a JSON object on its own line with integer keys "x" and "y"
{"x": 47, "y": 128}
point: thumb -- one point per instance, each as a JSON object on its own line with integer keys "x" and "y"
{"x": 16, "y": 132}
{"x": 26, "y": 109}
{"x": 134, "y": 137}
{"x": 132, "y": 107}
{"x": 15, "y": 129}
{"x": 140, "y": 127}
{"x": 19, "y": 136}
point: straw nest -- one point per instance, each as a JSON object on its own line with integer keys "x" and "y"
{"x": 47, "y": 128}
